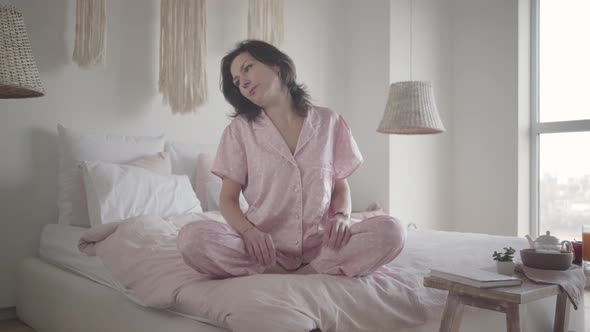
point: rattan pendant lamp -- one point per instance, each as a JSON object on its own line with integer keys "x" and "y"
{"x": 411, "y": 106}
{"x": 19, "y": 77}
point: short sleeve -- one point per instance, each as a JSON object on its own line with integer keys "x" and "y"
{"x": 230, "y": 160}
{"x": 347, "y": 156}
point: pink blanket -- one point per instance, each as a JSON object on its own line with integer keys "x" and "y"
{"x": 141, "y": 254}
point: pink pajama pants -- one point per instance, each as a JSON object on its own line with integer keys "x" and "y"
{"x": 216, "y": 249}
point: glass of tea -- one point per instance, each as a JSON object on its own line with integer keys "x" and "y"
{"x": 586, "y": 245}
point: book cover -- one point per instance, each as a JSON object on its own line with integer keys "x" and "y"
{"x": 475, "y": 277}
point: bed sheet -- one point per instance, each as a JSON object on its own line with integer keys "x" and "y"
{"x": 50, "y": 298}
{"x": 59, "y": 246}
{"x": 390, "y": 299}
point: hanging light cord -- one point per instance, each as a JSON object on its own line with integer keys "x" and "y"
{"x": 411, "y": 36}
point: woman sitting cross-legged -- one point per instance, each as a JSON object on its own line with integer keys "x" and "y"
{"x": 291, "y": 160}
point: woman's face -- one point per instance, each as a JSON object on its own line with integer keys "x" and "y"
{"x": 257, "y": 81}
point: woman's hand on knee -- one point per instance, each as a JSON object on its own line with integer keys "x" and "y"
{"x": 260, "y": 246}
{"x": 337, "y": 233}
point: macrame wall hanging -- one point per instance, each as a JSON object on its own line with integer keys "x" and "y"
{"x": 183, "y": 54}
{"x": 183, "y": 43}
{"x": 90, "y": 45}
{"x": 265, "y": 20}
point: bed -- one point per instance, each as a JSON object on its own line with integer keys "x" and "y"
{"x": 65, "y": 290}
{"x": 137, "y": 280}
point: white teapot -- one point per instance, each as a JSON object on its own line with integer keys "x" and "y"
{"x": 548, "y": 242}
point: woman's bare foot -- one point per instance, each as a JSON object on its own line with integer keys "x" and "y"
{"x": 305, "y": 270}
{"x": 275, "y": 269}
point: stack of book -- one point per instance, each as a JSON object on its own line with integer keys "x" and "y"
{"x": 476, "y": 277}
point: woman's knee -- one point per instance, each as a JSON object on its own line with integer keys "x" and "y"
{"x": 390, "y": 233}
{"x": 195, "y": 239}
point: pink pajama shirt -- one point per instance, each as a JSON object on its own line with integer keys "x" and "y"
{"x": 289, "y": 197}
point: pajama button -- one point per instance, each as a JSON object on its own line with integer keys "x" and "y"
{"x": 296, "y": 189}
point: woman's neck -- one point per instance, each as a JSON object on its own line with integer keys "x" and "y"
{"x": 282, "y": 109}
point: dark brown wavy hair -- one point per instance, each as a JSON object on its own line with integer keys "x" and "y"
{"x": 271, "y": 56}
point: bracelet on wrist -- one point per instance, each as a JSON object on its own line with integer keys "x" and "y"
{"x": 344, "y": 214}
{"x": 246, "y": 230}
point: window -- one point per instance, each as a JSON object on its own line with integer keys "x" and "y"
{"x": 560, "y": 118}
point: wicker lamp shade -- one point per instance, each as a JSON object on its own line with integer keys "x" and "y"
{"x": 411, "y": 109}
{"x": 19, "y": 77}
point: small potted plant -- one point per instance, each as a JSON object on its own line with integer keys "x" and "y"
{"x": 504, "y": 263}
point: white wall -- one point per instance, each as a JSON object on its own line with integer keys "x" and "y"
{"x": 485, "y": 132}
{"x": 123, "y": 98}
{"x": 474, "y": 177}
{"x": 420, "y": 174}
{"x": 363, "y": 70}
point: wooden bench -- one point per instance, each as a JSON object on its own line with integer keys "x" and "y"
{"x": 504, "y": 299}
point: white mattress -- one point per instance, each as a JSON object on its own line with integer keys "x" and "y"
{"x": 52, "y": 299}
{"x": 59, "y": 246}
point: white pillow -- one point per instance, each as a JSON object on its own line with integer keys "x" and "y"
{"x": 117, "y": 192}
{"x": 213, "y": 191}
{"x": 208, "y": 186}
{"x": 184, "y": 157}
{"x": 75, "y": 146}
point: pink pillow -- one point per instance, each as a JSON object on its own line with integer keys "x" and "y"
{"x": 373, "y": 210}
{"x": 203, "y": 176}
{"x": 158, "y": 163}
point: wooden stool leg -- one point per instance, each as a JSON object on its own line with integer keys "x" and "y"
{"x": 512, "y": 318}
{"x": 452, "y": 315}
{"x": 561, "y": 313}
